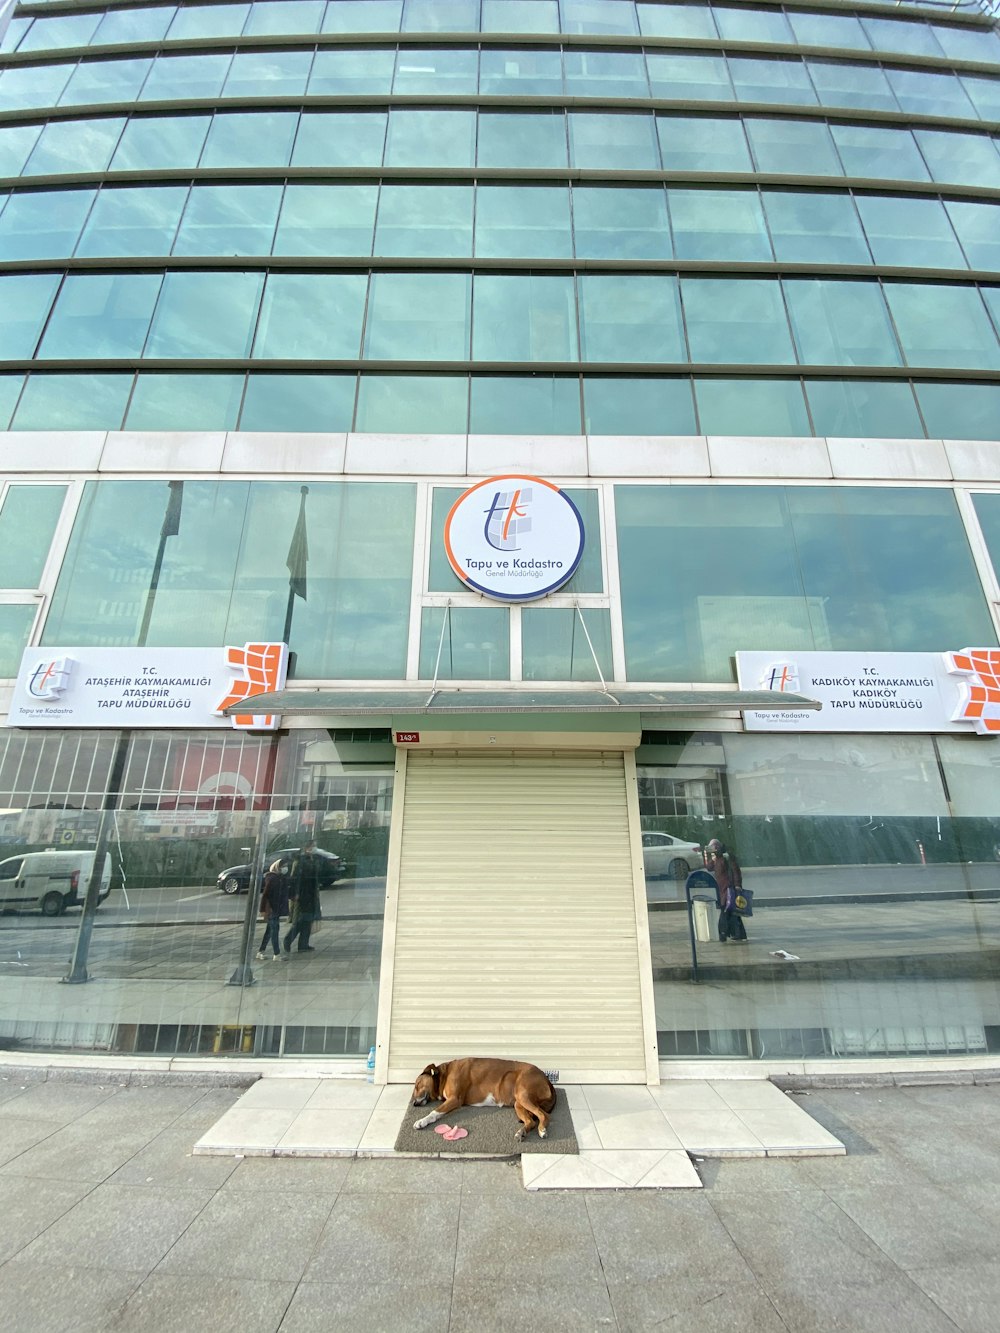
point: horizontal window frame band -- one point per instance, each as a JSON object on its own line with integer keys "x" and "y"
{"x": 493, "y": 175}
{"x": 503, "y": 369}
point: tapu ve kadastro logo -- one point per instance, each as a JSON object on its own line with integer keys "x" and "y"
{"x": 514, "y": 537}
{"x": 50, "y": 680}
{"x": 980, "y": 686}
{"x": 262, "y": 669}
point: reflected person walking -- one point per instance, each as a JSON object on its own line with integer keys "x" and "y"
{"x": 723, "y": 865}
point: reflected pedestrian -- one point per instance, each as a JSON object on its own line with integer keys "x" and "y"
{"x": 304, "y": 896}
{"x": 273, "y": 906}
{"x": 723, "y": 865}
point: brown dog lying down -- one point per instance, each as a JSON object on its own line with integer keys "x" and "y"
{"x": 475, "y": 1081}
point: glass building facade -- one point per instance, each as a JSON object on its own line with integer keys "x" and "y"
{"x": 729, "y": 273}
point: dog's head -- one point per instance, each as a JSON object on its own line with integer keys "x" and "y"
{"x": 427, "y": 1087}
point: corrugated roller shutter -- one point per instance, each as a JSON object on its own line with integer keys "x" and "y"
{"x": 516, "y": 920}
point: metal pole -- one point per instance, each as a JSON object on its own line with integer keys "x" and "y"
{"x": 694, "y": 948}
{"x": 243, "y": 975}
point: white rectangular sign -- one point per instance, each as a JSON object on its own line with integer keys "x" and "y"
{"x": 145, "y": 687}
{"x": 957, "y": 692}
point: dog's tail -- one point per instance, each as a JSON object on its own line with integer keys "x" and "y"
{"x": 552, "y": 1076}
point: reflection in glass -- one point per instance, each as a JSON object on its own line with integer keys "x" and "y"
{"x": 879, "y": 409}
{"x": 340, "y": 139}
{"x": 101, "y": 314}
{"x": 74, "y": 145}
{"x": 413, "y": 404}
{"x": 629, "y": 406}
{"x": 525, "y": 405}
{"x": 703, "y": 143}
{"x": 133, "y": 220}
{"x": 418, "y": 317}
{"x": 321, "y": 219}
{"x": 523, "y": 221}
{"x": 736, "y": 320}
{"x": 840, "y": 323}
{"x": 286, "y": 402}
{"x": 554, "y": 645}
{"x": 73, "y": 402}
{"x": 311, "y": 316}
{"x": 250, "y": 139}
{"x": 751, "y": 407}
{"x": 718, "y": 224}
{"x": 941, "y": 325}
{"x": 184, "y": 402}
{"x": 524, "y": 318}
{"x": 419, "y": 220}
{"x": 28, "y": 520}
{"x": 956, "y": 411}
{"x": 630, "y": 317}
{"x": 15, "y": 628}
{"x": 43, "y": 224}
{"x": 521, "y": 139}
{"x": 205, "y": 314}
{"x": 807, "y": 226}
{"x": 620, "y": 222}
{"x": 160, "y": 142}
{"x": 464, "y": 643}
{"x": 419, "y": 138}
{"x": 228, "y": 219}
{"x": 622, "y": 142}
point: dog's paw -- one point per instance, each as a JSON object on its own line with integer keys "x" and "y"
{"x": 519, "y": 1134}
{"x": 422, "y": 1124}
{"x": 542, "y": 1132}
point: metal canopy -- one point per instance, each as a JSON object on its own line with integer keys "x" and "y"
{"x": 437, "y": 702}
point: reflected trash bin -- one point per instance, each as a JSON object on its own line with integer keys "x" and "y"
{"x": 701, "y": 910}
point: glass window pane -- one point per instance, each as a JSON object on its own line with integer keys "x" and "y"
{"x": 940, "y": 325}
{"x": 342, "y": 70}
{"x": 43, "y": 224}
{"x": 555, "y": 647}
{"x": 14, "y": 34}
{"x": 413, "y": 404}
{"x": 15, "y": 628}
{"x": 606, "y": 73}
{"x": 465, "y": 643}
{"x": 955, "y": 411}
{"x": 418, "y": 317}
{"x": 808, "y": 226}
{"x": 205, "y": 314}
{"x": 520, "y": 16}
{"x": 229, "y": 220}
{"x": 522, "y": 139}
{"x": 430, "y": 138}
{"x": 311, "y": 316}
{"x": 363, "y": 16}
{"x": 630, "y": 317}
{"x": 984, "y": 93}
{"x": 978, "y": 226}
{"x": 96, "y": 81}
{"x": 966, "y": 43}
{"x": 909, "y": 230}
{"x": 960, "y": 157}
{"x": 133, "y": 220}
{"x": 771, "y": 80}
{"x": 27, "y": 525}
{"x": 48, "y": 34}
{"x": 743, "y": 24}
{"x": 340, "y": 139}
{"x": 447, "y": 72}
{"x": 689, "y": 77}
{"x": 819, "y": 29}
{"x": 839, "y": 83}
{"x": 16, "y": 142}
{"x": 127, "y": 26}
{"x": 605, "y": 18}
{"x": 898, "y": 35}
{"x": 10, "y": 388}
{"x": 676, "y": 20}
{"x": 208, "y": 21}
{"x": 326, "y": 220}
{"x": 638, "y": 406}
{"x": 525, "y": 405}
{"x": 876, "y": 150}
{"x": 185, "y": 77}
{"x": 620, "y": 222}
{"x": 424, "y": 220}
{"x": 856, "y": 409}
{"x": 268, "y": 74}
{"x": 184, "y": 402}
{"x": 161, "y": 142}
{"x": 700, "y": 143}
{"x": 737, "y": 320}
{"x": 32, "y": 85}
{"x": 101, "y": 314}
{"x": 927, "y": 92}
{"x": 73, "y": 146}
{"x": 520, "y": 73}
{"x": 73, "y": 402}
{"x": 523, "y": 221}
{"x": 840, "y": 323}
{"x": 619, "y": 143}
{"x": 718, "y": 224}
{"x": 284, "y": 402}
{"x": 284, "y": 16}
{"x": 751, "y": 407}
{"x": 793, "y": 147}
{"x": 524, "y": 318}
{"x": 250, "y": 139}
{"x": 441, "y": 16}
{"x": 24, "y": 302}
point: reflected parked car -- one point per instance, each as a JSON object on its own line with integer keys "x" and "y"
{"x": 236, "y": 879}
{"x": 665, "y": 856}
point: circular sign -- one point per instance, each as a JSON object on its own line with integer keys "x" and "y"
{"x": 514, "y": 537}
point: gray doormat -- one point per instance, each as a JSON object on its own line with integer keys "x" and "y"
{"x": 491, "y": 1132}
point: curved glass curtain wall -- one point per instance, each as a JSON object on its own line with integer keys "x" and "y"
{"x": 788, "y": 218}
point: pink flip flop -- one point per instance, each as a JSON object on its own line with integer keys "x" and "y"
{"x": 451, "y": 1132}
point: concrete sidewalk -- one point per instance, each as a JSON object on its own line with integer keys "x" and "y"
{"x": 110, "y": 1223}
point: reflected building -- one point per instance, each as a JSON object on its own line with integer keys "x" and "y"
{"x": 279, "y": 281}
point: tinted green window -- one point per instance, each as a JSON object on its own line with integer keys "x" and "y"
{"x": 614, "y": 142}
{"x": 33, "y": 85}
{"x": 133, "y": 220}
{"x": 27, "y": 524}
{"x": 942, "y": 326}
{"x": 718, "y": 224}
{"x": 73, "y": 402}
{"x": 988, "y": 512}
{"x": 127, "y": 26}
{"x": 340, "y": 139}
{"x": 184, "y": 402}
{"x": 605, "y": 18}
{"x": 465, "y": 643}
{"x": 912, "y": 230}
{"x": 48, "y": 34}
{"x": 875, "y": 150}
{"x": 100, "y": 314}
{"x": 620, "y": 222}
{"x": 926, "y": 92}
{"x": 520, "y": 16}
{"x": 418, "y": 317}
{"x": 771, "y": 80}
{"x": 737, "y": 320}
{"x": 743, "y": 24}
{"x": 14, "y": 34}
{"x": 364, "y": 16}
{"x": 43, "y": 224}
{"x": 967, "y": 43}
{"x": 208, "y": 21}
{"x": 229, "y": 220}
{"x": 555, "y": 646}
{"x": 340, "y": 71}
{"x": 105, "y": 81}
{"x": 440, "y": 575}
{"x": 524, "y": 318}
{"x": 16, "y": 142}
{"x": 413, "y": 404}
{"x": 751, "y": 407}
{"x": 630, "y": 317}
{"x": 808, "y": 226}
{"x": 311, "y": 316}
{"x": 525, "y": 405}
{"x": 793, "y": 147}
{"x": 430, "y": 138}
{"x": 623, "y": 406}
{"x": 15, "y": 627}
{"x": 839, "y": 83}
{"x": 168, "y": 141}
{"x": 605, "y": 73}
{"x": 978, "y": 228}
{"x": 515, "y": 139}
{"x": 24, "y": 302}
{"x": 523, "y": 221}
{"x": 282, "y": 16}
{"x": 286, "y": 402}
{"x": 883, "y": 409}
{"x": 440, "y": 15}
{"x": 250, "y": 139}
{"x": 840, "y": 323}
{"x": 268, "y": 74}
{"x": 701, "y": 143}
{"x": 448, "y": 72}
{"x": 676, "y": 20}
{"x": 955, "y": 411}
{"x": 10, "y": 387}
{"x": 983, "y": 92}
{"x": 422, "y": 220}
{"x": 326, "y": 220}
{"x": 960, "y": 157}
{"x": 819, "y": 29}
{"x": 520, "y": 73}
{"x": 205, "y": 314}
{"x": 74, "y": 145}
{"x": 185, "y": 77}
{"x": 689, "y": 78}
{"x": 896, "y": 35}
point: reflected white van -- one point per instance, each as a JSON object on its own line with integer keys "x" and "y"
{"x": 49, "y": 881}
